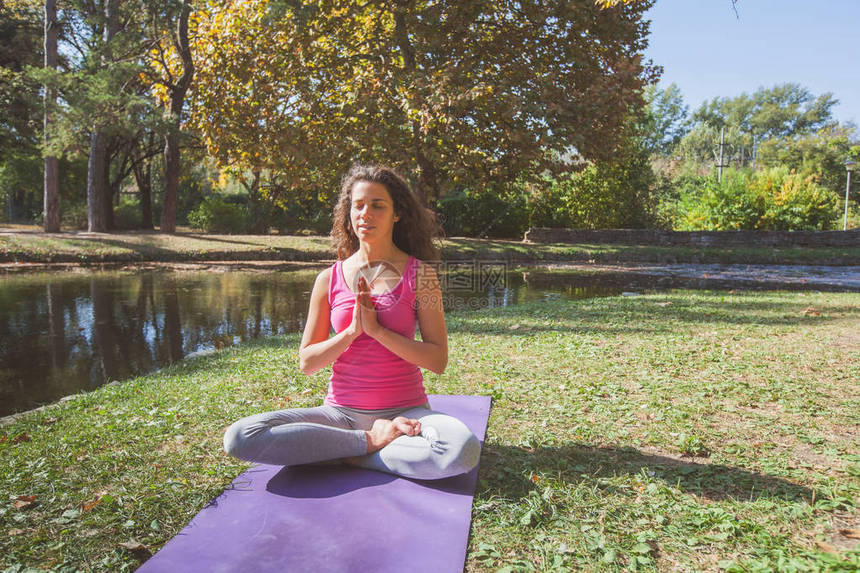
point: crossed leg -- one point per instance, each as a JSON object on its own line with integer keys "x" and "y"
{"x": 444, "y": 447}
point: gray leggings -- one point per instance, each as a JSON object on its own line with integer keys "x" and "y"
{"x": 445, "y": 447}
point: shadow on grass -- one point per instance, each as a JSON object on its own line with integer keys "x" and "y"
{"x": 260, "y": 252}
{"x": 220, "y": 239}
{"x": 504, "y": 471}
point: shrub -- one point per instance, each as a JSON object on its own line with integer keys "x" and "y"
{"x": 794, "y": 202}
{"x": 214, "y": 215}
{"x": 775, "y": 199}
{"x": 73, "y": 216}
{"x": 127, "y": 216}
{"x": 709, "y": 205}
{"x": 602, "y": 196}
{"x": 484, "y": 214}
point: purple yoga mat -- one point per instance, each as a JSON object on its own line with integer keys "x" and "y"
{"x": 333, "y": 518}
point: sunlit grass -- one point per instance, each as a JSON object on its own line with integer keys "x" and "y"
{"x": 671, "y": 431}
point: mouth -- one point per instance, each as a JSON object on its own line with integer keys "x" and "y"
{"x": 365, "y": 227}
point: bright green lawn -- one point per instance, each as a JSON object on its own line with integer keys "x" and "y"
{"x": 598, "y": 406}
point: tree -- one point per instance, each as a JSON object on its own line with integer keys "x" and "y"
{"x": 98, "y": 169}
{"x": 171, "y": 72}
{"x": 664, "y": 122}
{"x": 20, "y": 156}
{"x": 781, "y": 111}
{"x": 454, "y": 93}
{"x": 784, "y": 111}
{"x": 821, "y": 154}
{"x": 52, "y": 197}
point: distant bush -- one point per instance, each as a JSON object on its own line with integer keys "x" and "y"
{"x": 126, "y": 216}
{"x": 609, "y": 195}
{"x": 73, "y": 216}
{"x": 795, "y": 202}
{"x": 215, "y": 215}
{"x": 775, "y": 199}
{"x": 472, "y": 214}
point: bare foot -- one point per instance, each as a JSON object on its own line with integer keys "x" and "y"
{"x": 385, "y": 431}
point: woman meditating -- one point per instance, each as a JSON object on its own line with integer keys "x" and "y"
{"x": 376, "y": 413}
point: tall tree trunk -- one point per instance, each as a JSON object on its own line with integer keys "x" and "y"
{"x": 171, "y": 140}
{"x": 171, "y": 180}
{"x": 51, "y": 219}
{"x": 98, "y": 185}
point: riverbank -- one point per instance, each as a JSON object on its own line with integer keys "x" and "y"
{"x": 22, "y": 247}
{"x": 670, "y": 431}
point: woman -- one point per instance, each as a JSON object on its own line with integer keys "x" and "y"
{"x": 374, "y": 297}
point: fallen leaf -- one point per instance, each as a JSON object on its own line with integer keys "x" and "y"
{"x": 308, "y": 391}
{"x": 24, "y": 501}
{"x": 16, "y": 531}
{"x": 535, "y": 478}
{"x": 133, "y": 545}
{"x": 826, "y": 547}
{"x": 88, "y": 505}
{"x": 811, "y": 311}
{"x": 664, "y": 304}
{"x": 514, "y": 326}
{"x": 852, "y": 533}
{"x": 20, "y": 438}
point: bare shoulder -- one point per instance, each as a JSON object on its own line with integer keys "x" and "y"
{"x": 325, "y": 275}
{"x": 323, "y": 279}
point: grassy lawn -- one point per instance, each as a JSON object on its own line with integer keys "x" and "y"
{"x": 132, "y": 247}
{"x": 79, "y": 247}
{"x": 675, "y": 431}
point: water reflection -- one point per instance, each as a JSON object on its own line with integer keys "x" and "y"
{"x": 61, "y": 334}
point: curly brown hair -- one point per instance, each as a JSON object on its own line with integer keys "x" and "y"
{"x": 414, "y": 233}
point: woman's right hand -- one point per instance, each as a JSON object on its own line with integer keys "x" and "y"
{"x": 354, "y": 329}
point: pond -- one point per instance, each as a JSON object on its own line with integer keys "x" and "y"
{"x": 64, "y": 333}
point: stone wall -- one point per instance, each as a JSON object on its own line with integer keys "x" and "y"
{"x": 849, "y": 238}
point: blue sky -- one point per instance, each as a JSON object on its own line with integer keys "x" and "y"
{"x": 708, "y": 51}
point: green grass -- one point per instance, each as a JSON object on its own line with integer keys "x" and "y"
{"x": 133, "y": 247}
{"x": 671, "y": 431}
{"x": 72, "y": 247}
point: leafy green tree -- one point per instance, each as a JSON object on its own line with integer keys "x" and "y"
{"x": 20, "y": 109}
{"x": 612, "y": 194}
{"x": 822, "y": 154}
{"x": 171, "y": 70}
{"x": 665, "y": 119}
{"x": 51, "y": 165}
{"x": 457, "y": 94}
{"x": 781, "y": 111}
{"x": 108, "y": 106}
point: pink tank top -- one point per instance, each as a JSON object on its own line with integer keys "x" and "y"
{"x": 367, "y": 375}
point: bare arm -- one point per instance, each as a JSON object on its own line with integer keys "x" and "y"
{"x": 317, "y": 350}
{"x": 431, "y": 352}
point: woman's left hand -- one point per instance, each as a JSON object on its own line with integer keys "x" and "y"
{"x": 369, "y": 323}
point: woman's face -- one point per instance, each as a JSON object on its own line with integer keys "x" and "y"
{"x": 372, "y": 212}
